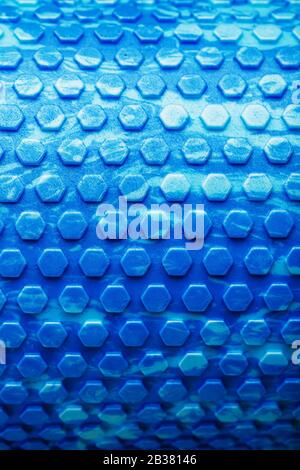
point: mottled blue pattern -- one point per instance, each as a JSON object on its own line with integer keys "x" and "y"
{"x": 143, "y": 344}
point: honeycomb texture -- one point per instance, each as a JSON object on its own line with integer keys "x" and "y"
{"x": 146, "y": 345}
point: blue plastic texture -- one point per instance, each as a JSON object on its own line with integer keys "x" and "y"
{"x": 122, "y": 344}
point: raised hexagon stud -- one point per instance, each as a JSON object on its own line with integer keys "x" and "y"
{"x": 188, "y": 33}
{"x": 12, "y": 263}
{"x": 70, "y": 35}
{"x": 215, "y": 332}
{"x": 156, "y": 298}
{"x": 293, "y": 260}
{"x": 72, "y": 151}
{"x": 212, "y": 391}
{"x": 267, "y": 33}
{"x": 278, "y": 223}
{"x": 28, "y": 86}
{"x": 232, "y": 86}
{"x": 72, "y": 414}
{"x": 172, "y": 391}
{"x": 177, "y": 261}
{"x": 237, "y": 297}
{"x": 151, "y": 86}
{"x": 34, "y": 416}
{"x": 10, "y": 58}
{"x": 291, "y": 116}
{"x": 169, "y": 58}
{"x": 291, "y": 330}
{"x": 216, "y": 187}
{"x": 30, "y": 152}
{"x": 72, "y": 225}
{"x": 52, "y": 334}
{"x": 94, "y": 262}
{"x": 215, "y": 117}
{"x": 115, "y": 298}
{"x": 255, "y": 332}
{"x": 113, "y": 364}
{"x": 134, "y": 187}
{"x": 92, "y": 117}
{"x": 52, "y": 392}
{"x": 28, "y": 32}
{"x": 72, "y": 365}
{"x": 11, "y": 188}
{"x": 92, "y": 334}
{"x": 175, "y": 187}
{"x": 229, "y": 413}
{"x": 237, "y": 151}
{"x": 13, "y": 334}
{"x": 174, "y": 117}
{"x": 193, "y": 364}
{"x": 273, "y": 362}
{"x": 155, "y": 151}
{"x": 148, "y": 34}
{"x": 31, "y": 366}
{"x": 32, "y": 299}
{"x": 227, "y": 32}
{"x": 292, "y": 186}
{"x": 153, "y": 363}
{"x": 50, "y": 188}
{"x": 233, "y": 363}
{"x": 255, "y": 117}
{"x": 88, "y": 58}
{"x": 191, "y": 86}
{"x": 197, "y": 298}
{"x": 73, "y": 299}
{"x": 210, "y": 58}
{"x": 196, "y": 151}
{"x": 278, "y": 297}
{"x": 272, "y": 86}
{"x": 251, "y": 390}
{"x": 133, "y": 391}
{"x": 109, "y": 32}
{"x": 258, "y": 260}
{"x": 11, "y": 117}
{"x": 52, "y": 262}
{"x": 249, "y": 58}
{"x": 110, "y": 86}
{"x": 93, "y": 392}
{"x": 129, "y": 58}
{"x": 13, "y": 393}
{"x": 50, "y": 117}
{"x": 174, "y": 333}
{"x": 133, "y": 117}
{"x": 278, "y": 150}
{"x": 257, "y": 187}
{"x": 217, "y": 261}
{"x": 92, "y": 188}
{"x": 135, "y": 262}
{"x": 133, "y": 333}
{"x": 48, "y": 58}
{"x": 30, "y": 225}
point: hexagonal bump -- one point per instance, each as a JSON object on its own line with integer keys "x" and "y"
{"x": 210, "y": 58}
{"x": 193, "y": 364}
{"x": 197, "y": 298}
{"x": 28, "y": 86}
{"x": 32, "y": 366}
{"x": 258, "y": 261}
{"x": 92, "y": 117}
{"x": 255, "y": 116}
{"x": 52, "y": 334}
{"x": 233, "y": 363}
{"x": 72, "y": 151}
{"x": 94, "y": 262}
{"x": 191, "y": 86}
{"x": 30, "y": 152}
{"x": 237, "y": 297}
{"x": 73, "y": 299}
{"x": 255, "y": 332}
{"x": 232, "y": 86}
{"x": 12, "y": 263}
{"x": 110, "y": 86}
{"x": 133, "y": 117}
{"x": 155, "y": 151}
{"x": 174, "y": 333}
{"x": 174, "y": 117}
{"x": 113, "y": 364}
{"x": 133, "y": 391}
{"x": 217, "y": 261}
{"x": 175, "y": 187}
{"x": 134, "y": 333}
{"x": 215, "y": 332}
{"x": 272, "y": 86}
{"x": 216, "y": 187}
{"x": 153, "y": 363}
{"x": 278, "y": 223}
{"x": 169, "y": 58}
{"x": 177, "y": 261}
{"x": 135, "y": 262}
{"x": 278, "y": 297}
{"x": 172, "y": 391}
{"x": 11, "y": 117}
{"x": 129, "y": 58}
{"x": 72, "y": 225}
{"x": 115, "y": 298}
{"x": 257, "y": 187}
{"x": 72, "y": 365}
{"x": 215, "y": 117}
{"x": 151, "y": 86}
{"x": 92, "y": 188}
{"x": 273, "y": 362}
{"x": 30, "y": 225}
{"x": 134, "y": 187}
{"x": 156, "y": 298}
{"x": 52, "y": 262}
{"x": 93, "y": 334}
{"x": 50, "y": 188}
{"x": 32, "y": 299}
{"x": 50, "y": 118}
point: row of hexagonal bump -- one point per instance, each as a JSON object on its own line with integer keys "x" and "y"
{"x": 192, "y": 364}
{"x": 175, "y": 187}
{"x": 150, "y": 86}
{"x": 195, "y": 150}
{"x": 155, "y": 298}
{"x": 134, "y": 333}
{"x": 133, "y": 117}
{"x": 28, "y": 32}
